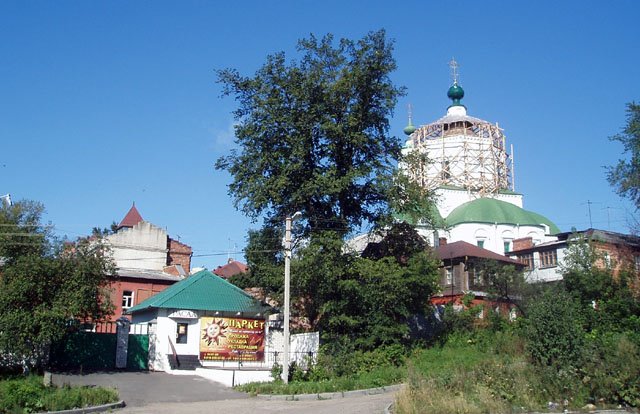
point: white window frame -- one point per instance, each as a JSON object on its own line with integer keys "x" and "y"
{"x": 448, "y": 276}
{"x": 128, "y": 298}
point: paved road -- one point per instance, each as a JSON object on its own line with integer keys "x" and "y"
{"x": 364, "y": 404}
{"x": 158, "y": 392}
{"x": 142, "y": 388}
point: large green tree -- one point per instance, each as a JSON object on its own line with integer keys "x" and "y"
{"x": 313, "y": 134}
{"x": 625, "y": 175}
{"x": 21, "y": 231}
{"x": 265, "y": 261}
{"x": 609, "y": 301}
{"x": 362, "y": 303}
{"x": 45, "y": 285}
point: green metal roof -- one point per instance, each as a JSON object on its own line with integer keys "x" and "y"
{"x": 490, "y": 210}
{"x": 203, "y": 291}
{"x": 455, "y": 93}
{"x": 409, "y": 129}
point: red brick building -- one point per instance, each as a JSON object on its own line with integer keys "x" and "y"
{"x": 148, "y": 261}
{"x": 543, "y": 261}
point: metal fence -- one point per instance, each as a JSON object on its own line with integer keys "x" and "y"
{"x": 111, "y": 327}
{"x": 301, "y": 359}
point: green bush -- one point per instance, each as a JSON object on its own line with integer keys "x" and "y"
{"x": 554, "y": 331}
{"x": 276, "y": 372}
{"x": 67, "y": 397}
{"x": 344, "y": 372}
{"x": 347, "y": 363}
{"x": 28, "y": 394}
{"x": 21, "y": 393}
{"x": 612, "y": 370}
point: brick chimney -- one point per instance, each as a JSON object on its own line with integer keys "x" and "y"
{"x": 523, "y": 243}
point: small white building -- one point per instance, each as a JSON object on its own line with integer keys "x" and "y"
{"x": 205, "y": 323}
{"x": 203, "y": 320}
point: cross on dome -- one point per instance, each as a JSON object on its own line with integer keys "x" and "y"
{"x": 454, "y": 70}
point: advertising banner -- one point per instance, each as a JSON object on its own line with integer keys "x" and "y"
{"x": 231, "y": 339}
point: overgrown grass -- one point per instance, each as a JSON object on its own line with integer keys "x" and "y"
{"x": 28, "y": 394}
{"x": 378, "y": 377}
{"x": 469, "y": 377}
{"x": 480, "y": 372}
{"x": 490, "y": 373}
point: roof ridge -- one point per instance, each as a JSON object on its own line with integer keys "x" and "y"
{"x": 170, "y": 292}
{"x": 187, "y": 283}
{"x": 132, "y": 217}
{"x": 199, "y": 291}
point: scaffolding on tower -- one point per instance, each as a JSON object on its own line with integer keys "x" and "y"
{"x": 464, "y": 152}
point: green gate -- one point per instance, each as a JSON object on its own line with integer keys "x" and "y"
{"x": 95, "y": 351}
{"x": 138, "y": 352}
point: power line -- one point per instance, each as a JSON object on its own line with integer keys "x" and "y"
{"x": 50, "y": 226}
{"x": 22, "y": 234}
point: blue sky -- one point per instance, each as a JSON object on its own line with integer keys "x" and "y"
{"x": 106, "y": 103}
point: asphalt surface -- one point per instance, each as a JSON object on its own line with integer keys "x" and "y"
{"x": 161, "y": 393}
{"x": 363, "y": 404}
{"x": 139, "y": 389}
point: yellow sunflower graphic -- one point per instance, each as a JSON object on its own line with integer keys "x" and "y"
{"x": 214, "y": 331}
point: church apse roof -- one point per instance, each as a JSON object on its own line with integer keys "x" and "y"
{"x": 490, "y": 210}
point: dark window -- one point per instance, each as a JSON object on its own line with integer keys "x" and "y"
{"x": 548, "y": 258}
{"x": 446, "y": 173}
{"x": 475, "y": 277}
{"x": 127, "y": 299}
{"x": 527, "y": 260}
{"x": 181, "y": 334}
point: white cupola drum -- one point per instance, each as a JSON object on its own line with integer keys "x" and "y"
{"x": 465, "y": 152}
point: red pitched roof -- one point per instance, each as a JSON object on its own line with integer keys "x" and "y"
{"x": 231, "y": 269}
{"x": 132, "y": 218}
{"x": 461, "y": 249}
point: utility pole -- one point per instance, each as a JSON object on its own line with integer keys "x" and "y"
{"x": 588, "y": 203}
{"x": 287, "y": 293}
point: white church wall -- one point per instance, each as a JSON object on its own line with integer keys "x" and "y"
{"x": 493, "y": 236}
{"x": 515, "y": 199}
{"x": 448, "y": 199}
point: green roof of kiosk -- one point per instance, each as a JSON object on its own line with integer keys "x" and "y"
{"x": 490, "y": 210}
{"x": 203, "y": 291}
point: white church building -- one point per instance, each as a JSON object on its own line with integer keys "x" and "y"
{"x": 471, "y": 173}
